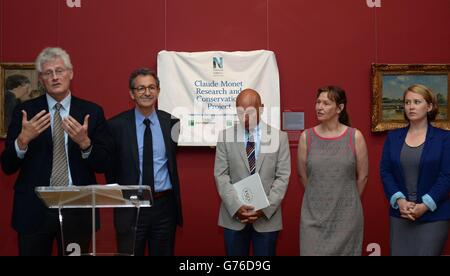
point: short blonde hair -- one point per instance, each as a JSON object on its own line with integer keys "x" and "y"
{"x": 429, "y": 97}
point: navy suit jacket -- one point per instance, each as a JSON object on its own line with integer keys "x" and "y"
{"x": 434, "y": 171}
{"x": 124, "y": 161}
{"x": 35, "y": 169}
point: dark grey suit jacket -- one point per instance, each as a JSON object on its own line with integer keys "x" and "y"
{"x": 35, "y": 169}
{"x": 124, "y": 161}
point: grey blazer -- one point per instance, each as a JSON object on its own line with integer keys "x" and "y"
{"x": 231, "y": 165}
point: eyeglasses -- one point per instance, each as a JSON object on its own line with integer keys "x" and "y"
{"x": 59, "y": 72}
{"x": 141, "y": 89}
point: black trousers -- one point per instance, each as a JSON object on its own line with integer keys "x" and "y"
{"x": 40, "y": 243}
{"x": 156, "y": 228}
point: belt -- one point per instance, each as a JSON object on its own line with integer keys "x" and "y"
{"x": 161, "y": 194}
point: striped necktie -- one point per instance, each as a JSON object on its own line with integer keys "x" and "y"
{"x": 251, "y": 153}
{"x": 60, "y": 171}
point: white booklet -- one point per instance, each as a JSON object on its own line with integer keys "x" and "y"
{"x": 251, "y": 192}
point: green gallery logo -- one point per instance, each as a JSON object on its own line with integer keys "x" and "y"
{"x": 218, "y": 69}
{"x": 218, "y": 63}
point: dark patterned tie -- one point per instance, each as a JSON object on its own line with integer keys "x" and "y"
{"x": 147, "y": 163}
{"x": 251, "y": 153}
{"x": 60, "y": 171}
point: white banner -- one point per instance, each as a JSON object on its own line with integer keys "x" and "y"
{"x": 201, "y": 89}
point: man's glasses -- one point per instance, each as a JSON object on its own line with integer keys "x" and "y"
{"x": 141, "y": 89}
{"x": 59, "y": 72}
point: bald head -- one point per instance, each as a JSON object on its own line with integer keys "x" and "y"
{"x": 249, "y": 108}
{"x": 248, "y": 97}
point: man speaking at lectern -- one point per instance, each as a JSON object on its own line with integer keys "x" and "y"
{"x": 54, "y": 140}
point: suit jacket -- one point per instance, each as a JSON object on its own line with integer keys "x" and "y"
{"x": 35, "y": 169}
{"x": 124, "y": 166}
{"x": 434, "y": 171}
{"x": 231, "y": 165}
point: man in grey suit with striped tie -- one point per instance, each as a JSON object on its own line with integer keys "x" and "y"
{"x": 247, "y": 148}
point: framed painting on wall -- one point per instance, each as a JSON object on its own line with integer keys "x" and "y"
{"x": 389, "y": 82}
{"x": 18, "y": 83}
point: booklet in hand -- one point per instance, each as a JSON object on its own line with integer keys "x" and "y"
{"x": 251, "y": 192}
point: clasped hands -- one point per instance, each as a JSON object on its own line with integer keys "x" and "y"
{"x": 246, "y": 214}
{"x": 410, "y": 210}
{"x": 32, "y": 128}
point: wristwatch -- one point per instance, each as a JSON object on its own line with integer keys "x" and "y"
{"x": 87, "y": 150}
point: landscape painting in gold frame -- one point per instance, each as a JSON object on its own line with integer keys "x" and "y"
{"x": 389, "y": 82}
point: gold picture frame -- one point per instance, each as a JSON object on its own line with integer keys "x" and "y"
{"x": 13, "y": 76}
{"x": 389, "y": 81}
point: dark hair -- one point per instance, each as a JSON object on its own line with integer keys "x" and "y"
{"x": 15, "y": 81}
{"x": 429, "y": 97}
{"x": 141, "y": 72}
{"x": 337, "y": 95}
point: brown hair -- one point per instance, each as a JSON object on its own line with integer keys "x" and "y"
{"x": 337, "y": 95}
{"x": 429, "y": 97}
